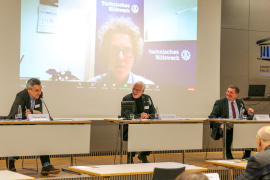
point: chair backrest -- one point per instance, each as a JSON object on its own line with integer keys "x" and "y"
{"x": 167, "y": 173}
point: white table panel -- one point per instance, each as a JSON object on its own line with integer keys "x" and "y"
{"x": 244, "y": 134}
{"x": 25, "y": 140}
{"x": 172, "y": 136}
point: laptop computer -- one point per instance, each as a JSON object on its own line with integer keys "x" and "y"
{"x": 256, "y": 91}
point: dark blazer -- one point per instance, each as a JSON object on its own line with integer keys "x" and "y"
{"x": 148, "y": 106}
{"x": 221, "y": 110}
{"x": 23, "y": 99}
{"x": 258, "y": 166}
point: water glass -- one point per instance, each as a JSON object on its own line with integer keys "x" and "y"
{"x": 18, "y": 117}
{"x": 131, "y": 116}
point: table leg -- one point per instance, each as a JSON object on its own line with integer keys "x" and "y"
{"x": 71, "y": 160}
{"x": 231, "y": 173}
{"x": 71, "y": 164}
{"x": 121, "y": 142}
{"x": 224, "y": 140}
{"x": 183, "y": 160}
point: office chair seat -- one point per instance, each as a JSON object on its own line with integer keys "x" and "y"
{"x": 167, "y": 173}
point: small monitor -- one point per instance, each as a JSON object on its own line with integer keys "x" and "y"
{"x": 256, "y": 90}
{"x": 128, "y": 107}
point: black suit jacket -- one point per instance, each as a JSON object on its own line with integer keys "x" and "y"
{"x": 148, "y": 106}
{"x": 221, "y": 110}
{"x": 23, "y": 99}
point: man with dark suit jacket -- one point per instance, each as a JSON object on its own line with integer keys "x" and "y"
{"x": 30, "y": 102}
{"x": 229, "y": 108}
{"x": 144, "y": 109}
{"x": 23, "y": 98}
{"x": 258, "y": 166}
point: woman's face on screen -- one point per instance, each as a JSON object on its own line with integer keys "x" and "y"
{"x": 120, "y": 56}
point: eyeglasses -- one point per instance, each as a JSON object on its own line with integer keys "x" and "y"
{"x": 126, "y": 52}
{"x": 136, "y": 89}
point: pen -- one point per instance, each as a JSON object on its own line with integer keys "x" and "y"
{"x": 25, "y": 107}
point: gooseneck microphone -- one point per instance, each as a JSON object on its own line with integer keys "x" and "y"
{"x": 47, "y": 109}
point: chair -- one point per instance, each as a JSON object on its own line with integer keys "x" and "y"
{"x": 167, "y": 173}
{"x": 32, "y": 169}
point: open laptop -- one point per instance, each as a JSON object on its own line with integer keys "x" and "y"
{"x": 256, "y": 91}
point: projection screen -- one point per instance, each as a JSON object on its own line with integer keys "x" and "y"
{"x": 88, "y": 54}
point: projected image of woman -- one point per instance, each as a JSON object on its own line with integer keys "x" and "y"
{"x": 121, "y": 46}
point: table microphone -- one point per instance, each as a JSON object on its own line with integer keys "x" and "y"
{"x": 47, "y": 109}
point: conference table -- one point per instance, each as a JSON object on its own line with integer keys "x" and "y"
{"x": 161, "y": 135}
{"x": 231, "y": 164}
{"x": 244, "y": 132}
{"x": 27, "y": 138}
{"x": 6, "y": 174}
{"x": 130, "y": 169}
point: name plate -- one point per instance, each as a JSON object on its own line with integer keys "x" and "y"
{"x": 261, "y": 117}
{"x": 168, "y": 117}
{"x": 38, "y": 117}
{"x": 212, "y": 176}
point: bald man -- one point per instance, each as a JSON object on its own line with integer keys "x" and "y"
{"x": 258, "y": 166}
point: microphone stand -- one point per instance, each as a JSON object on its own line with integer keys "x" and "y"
{"x": 47, "y": 109}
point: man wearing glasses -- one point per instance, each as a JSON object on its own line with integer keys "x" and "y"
{"x": 30, "y": 101}
{"x": 144, "y": 109}
{"x": 121, "y": 45}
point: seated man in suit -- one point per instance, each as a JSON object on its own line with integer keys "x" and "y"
{"x": 144, "y": 109}
{"x": 30, "y": 102}
{"x": 231, "y": 108}
{"x": 258, "y": 166}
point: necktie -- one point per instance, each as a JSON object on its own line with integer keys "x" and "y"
{"x": 32, "y": 104}
{"x": 233, "y": 111}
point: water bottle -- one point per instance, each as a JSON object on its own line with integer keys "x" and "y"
{"x": 156, "y": 113}
{"x": 19, "y": 112}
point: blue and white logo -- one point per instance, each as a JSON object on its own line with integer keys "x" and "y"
{"x": 185, "y": 54}
{"x": 134, "y": 8}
